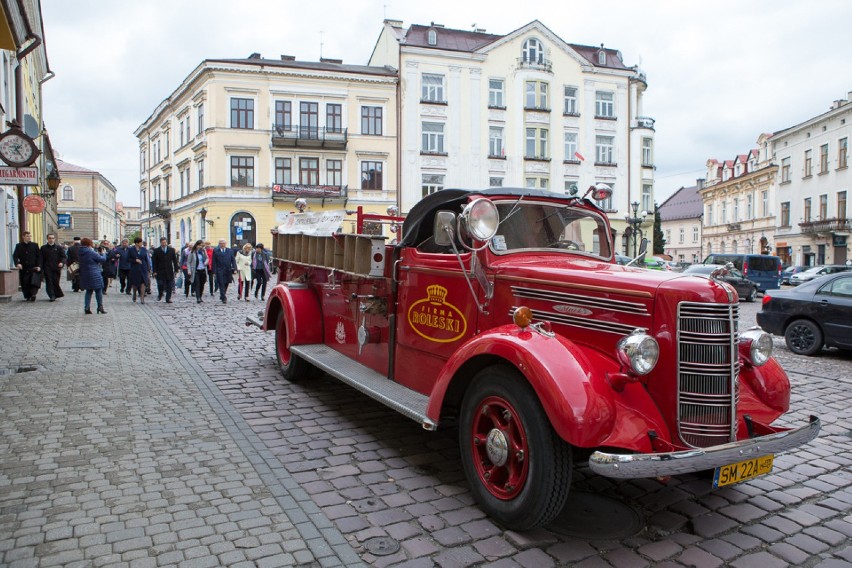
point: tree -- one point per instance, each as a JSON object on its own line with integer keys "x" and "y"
{"x": 659, "y": 238}
{"x": 133, "y": 235}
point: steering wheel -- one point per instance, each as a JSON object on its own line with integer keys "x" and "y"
{"x": 566, "y": 244}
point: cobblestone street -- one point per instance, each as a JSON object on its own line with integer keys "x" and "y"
{"x": 173, "y": 440}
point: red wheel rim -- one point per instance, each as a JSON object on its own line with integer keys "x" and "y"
{"x": 498, "y": 443}
{"x": 282, "y": 347}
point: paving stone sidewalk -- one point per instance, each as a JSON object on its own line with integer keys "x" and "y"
{"x": 116, "y": 449}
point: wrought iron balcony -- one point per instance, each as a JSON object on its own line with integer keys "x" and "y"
{"x": 644, "y": 122}
{"x": 289, "y": 191}
{"x": 159, "y": 207}
{"x": 826, "y": 226}
{"x": 309, "y": 136}
{"x": 540, "y": 63}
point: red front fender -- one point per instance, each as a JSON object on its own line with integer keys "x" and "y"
{"x": 573, "y": 391}
{"x": 302, "y": 313}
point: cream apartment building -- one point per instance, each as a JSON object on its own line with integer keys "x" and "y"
{"x": 739, "y": 202}
{"x": 814, "y": 185}
{"x": 680, "y": 221}
{"x": 524, "y": 109}
{"x": 89, "y": 199}
{"x": 239, "y": 140}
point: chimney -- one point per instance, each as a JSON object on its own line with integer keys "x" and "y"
{"x": 254, "y": 55}
{"x": 288, "y": 57}
{"x": 330, "y": 60}
{"x": 434, "y": 25}
{"x": 700, "y": 183}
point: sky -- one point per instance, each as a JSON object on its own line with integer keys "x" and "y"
{"x": 719, "y": 73}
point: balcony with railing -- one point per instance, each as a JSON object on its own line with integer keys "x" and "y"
{"x": 644, "y": 122}
{"x": 160, "y": 207}
{"x": 831, "y": 226}
{"x": 539, "y": 63}
{"x": 290, "y": 191}
{"x": 292, "y": 136}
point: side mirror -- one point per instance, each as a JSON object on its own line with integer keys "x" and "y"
{"x": 442, "y": 231}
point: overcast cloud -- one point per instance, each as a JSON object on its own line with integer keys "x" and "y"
{"x": 719, "y": 73}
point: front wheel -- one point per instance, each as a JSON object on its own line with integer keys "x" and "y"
{"x": 292, "y": 366}
{"x": 803, "y": 337}
{"x": 518, "y": 468}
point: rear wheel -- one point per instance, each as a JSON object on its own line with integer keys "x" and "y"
{"x": 519, "y": 470}
{"x": 803, "y": 337}
{"x": 752, "y": 295}
{"x": 292, "y": 366}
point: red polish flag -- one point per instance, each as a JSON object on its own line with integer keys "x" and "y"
{"x": 579, "y": 156}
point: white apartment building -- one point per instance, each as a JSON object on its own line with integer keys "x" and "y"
{"x": 680, "y": 221}
{"x": 738, "y": 198}
{"x": 226, "y": 154}
{"x": 813, "y": 224}
{"x": 525, "y": 109}
{"x": 87, "y": 199}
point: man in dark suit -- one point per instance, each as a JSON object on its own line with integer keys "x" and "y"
{"x": 52, "y": 261}
{"x": 164, "y": 265}
{"x": 224, "y": 267}
{"x": 27, "y": 258}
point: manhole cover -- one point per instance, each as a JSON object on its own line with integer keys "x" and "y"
{"x": 381, "y": 545}
{"x": 82, "y": 344}
{"x": 596, "y": 517}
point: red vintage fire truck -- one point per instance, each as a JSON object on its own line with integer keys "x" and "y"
{"x": 502, "y": 312}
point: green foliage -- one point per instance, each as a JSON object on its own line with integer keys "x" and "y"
{"x": 133, "y": 235}
{"x": 659, "y": 238}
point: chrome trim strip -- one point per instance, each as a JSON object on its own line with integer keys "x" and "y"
{"x": 583, "y": 323}
{"x": 631, "y": 466}
{"x": 580, "y": 300}
{"x": 637, "y": 293}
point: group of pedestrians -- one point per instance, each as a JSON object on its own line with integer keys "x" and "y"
{"x": 92, "y": 269}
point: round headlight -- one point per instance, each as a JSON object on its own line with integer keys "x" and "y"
{"x": 756, "y": 346}
{"x": 481, "y": 218}
{"x": 639, "y": 351}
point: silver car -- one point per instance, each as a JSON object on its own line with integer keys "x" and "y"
{"x": 816, "y": 272}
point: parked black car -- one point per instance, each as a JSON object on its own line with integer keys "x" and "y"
{"x": 814, "y": 314}
{"x": 746, "y": 289}
{"x": 788, "y": 273}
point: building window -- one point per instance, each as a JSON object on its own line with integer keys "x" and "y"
{"x": 808, "y": 163}
{"x": 841, "y": 205}
{"x": 333, "y": 117}
{"x": 67, "y": 193}
{"x": 537, "y": 183}
{"x": 242, "y": 172}
{"x": 647, "y": 156}
{"x": 200, "y": 119}
{"x": 533, "y": 51}
{"x": 571, "y": 101}
{"x": 309, "y": 171}
{"x": 371, "y": 120}
{"x": 749, "y": 207}
{"x": 433, "y": 138}
{"x": 710, "y": 220}
{"x": 681, "y": 235}
{"x": 571, "y": 147}
{"x": 495, "y": 93}
{"x": 433, "y": 37}
{"x": 166, "y": 138}
{"x": 334, "y": 172}
{"x": 823, "y": 207}
{"x": 785, "y": 170}
{"x": 764, "y": 203}
{"x": 371, "y": 175}
{"x": 724, "y": 212}
{"x": 242, "y": 113}
{"x": 695, "y": 234}
{"x": 283, "y": 171}
{"x": 181, "y": 133}
{"x": 432, "y": 88}
{"x": 807, "y": 209}
{"x": 571, "y": 186}
{"x": 536, "y": 147}
{"x": 309, "y": 120}
{"x": 495, "y": 182}
{"x": 736, "y": 209}
{"x": 785, "y": 214}
{"x": 182, "y": 186}
{"x": 823, "y": 159}
{"x": 186, "y": 126}
{"x": 200, "y": 174}
{"x": 283, "y": 115}
{"x": 842, "y": 153}
{"x": 647, "y": 201}
{"x": 495, "y": 142}
{"x": 536, "y": 96}
{"x": 432, "y": 183}
{"x": 604, "y": 149}
{"x": 604, "y": 105}
{"x": 142, "y": 154}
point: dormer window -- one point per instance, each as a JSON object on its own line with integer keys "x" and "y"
{"x": 533, "y": 51}
{"x": 601, "y": 56}
{"x": 433, "y": 37}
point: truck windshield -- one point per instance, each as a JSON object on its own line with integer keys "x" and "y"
{"x": 531, "y": 225}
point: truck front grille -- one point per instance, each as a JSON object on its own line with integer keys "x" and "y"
{"x": 708, "y": 368}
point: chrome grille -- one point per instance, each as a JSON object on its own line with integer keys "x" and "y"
{"x": 708, "y": 368}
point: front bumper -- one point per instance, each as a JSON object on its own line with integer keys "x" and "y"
{"x": 630, "y": 466}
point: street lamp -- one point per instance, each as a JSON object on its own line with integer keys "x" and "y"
{"x": 53, "y": 181}
{"x": 635, "y": 223}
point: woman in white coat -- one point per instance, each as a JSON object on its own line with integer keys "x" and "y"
{"x": 244, "y": 272}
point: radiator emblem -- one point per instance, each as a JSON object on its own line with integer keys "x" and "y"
{"x": 573, "y": 310}
{"x": 435, "y": 319}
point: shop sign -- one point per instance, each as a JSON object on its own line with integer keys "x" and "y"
{"x": 64, "y": 220}
{"x": 839, "y": 240}
{"x": 18, "y": 176}
{"x": 34, "y": 203}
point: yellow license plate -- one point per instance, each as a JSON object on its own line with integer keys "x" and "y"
{"x": 742, "y": 471}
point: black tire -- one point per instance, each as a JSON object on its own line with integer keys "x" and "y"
{"x": 540, "y": 464}
{"x": 752, "y": 295}
{"x": 803, "y": 337}
{"x": 293, "y": 367}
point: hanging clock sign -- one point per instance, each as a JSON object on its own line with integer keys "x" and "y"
{"x": 17, "y": 149}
